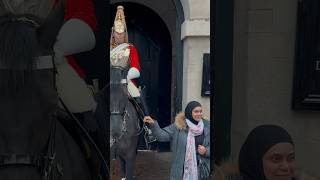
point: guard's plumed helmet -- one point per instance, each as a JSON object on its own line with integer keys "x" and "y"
{"x": 119, "y": 25}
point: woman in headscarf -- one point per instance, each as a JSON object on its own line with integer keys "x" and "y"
{"x": 190, "y": 143}
{"x": 268, "y": 153}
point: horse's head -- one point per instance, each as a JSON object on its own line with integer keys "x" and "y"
{"x": 25, "y": 37}
{"x": 118, "y": 98}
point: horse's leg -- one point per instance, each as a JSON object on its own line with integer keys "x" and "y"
{"x": 122, "y": 167}
{"x": 130, "y": 169}
{"x": 130, "y": 161}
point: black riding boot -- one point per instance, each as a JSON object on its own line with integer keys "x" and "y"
{"x": 142, "y": 103}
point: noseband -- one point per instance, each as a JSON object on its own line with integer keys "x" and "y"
{"x": 124, "y": 116}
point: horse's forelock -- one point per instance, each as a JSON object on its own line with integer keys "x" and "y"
{"x": 118, "y": 91}
{"x": 18, "y": 49}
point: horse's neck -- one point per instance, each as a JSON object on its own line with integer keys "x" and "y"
{"x": 117, "y": 76}
{"x": 118, "y": 89}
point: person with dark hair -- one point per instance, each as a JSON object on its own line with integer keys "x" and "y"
{"x": 268, "y": 153}
{"x": 190, "y": 143}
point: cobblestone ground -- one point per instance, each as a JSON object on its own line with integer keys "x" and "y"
{"x": 149, "y": 166}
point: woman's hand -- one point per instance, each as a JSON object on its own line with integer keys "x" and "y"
{"x": 148, "y": 119}
{"x": 201, "y": 150}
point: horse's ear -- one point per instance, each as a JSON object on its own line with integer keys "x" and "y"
{"x": 49, "y": 30}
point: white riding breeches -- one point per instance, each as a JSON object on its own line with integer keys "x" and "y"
{"x": 132, "y": 89}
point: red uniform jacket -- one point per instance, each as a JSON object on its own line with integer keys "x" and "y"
{"x": 133, "y": 58}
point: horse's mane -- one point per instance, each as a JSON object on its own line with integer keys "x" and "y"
{"x": 116, "y": 75}
{"x": 18, "y": 49}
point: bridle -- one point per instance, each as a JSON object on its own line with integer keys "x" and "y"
{"x": 123, "y": 113}
{"x": 124, "y": 116}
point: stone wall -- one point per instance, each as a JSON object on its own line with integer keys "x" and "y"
{"x": 195, "y": 33}
{"x": 263, "y": 76}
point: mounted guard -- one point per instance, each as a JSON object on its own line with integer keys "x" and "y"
{"x": 124, "y": 55}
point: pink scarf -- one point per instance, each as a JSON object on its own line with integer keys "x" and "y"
{"x": 190, "y": 162}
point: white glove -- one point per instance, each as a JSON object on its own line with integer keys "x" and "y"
{"x": 75, "y": 36}
{"x": 133, "y": 73}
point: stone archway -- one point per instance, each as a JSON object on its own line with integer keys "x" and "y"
{"x": 171, "y": 12}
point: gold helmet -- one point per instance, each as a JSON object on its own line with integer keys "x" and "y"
{"x": 119, "y": 26}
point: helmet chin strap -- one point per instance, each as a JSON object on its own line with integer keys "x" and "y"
{"x": 117, "y": 43}
{"x": 117, "y": 39}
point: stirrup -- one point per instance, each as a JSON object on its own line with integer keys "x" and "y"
{"x": 149, "y": 138}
